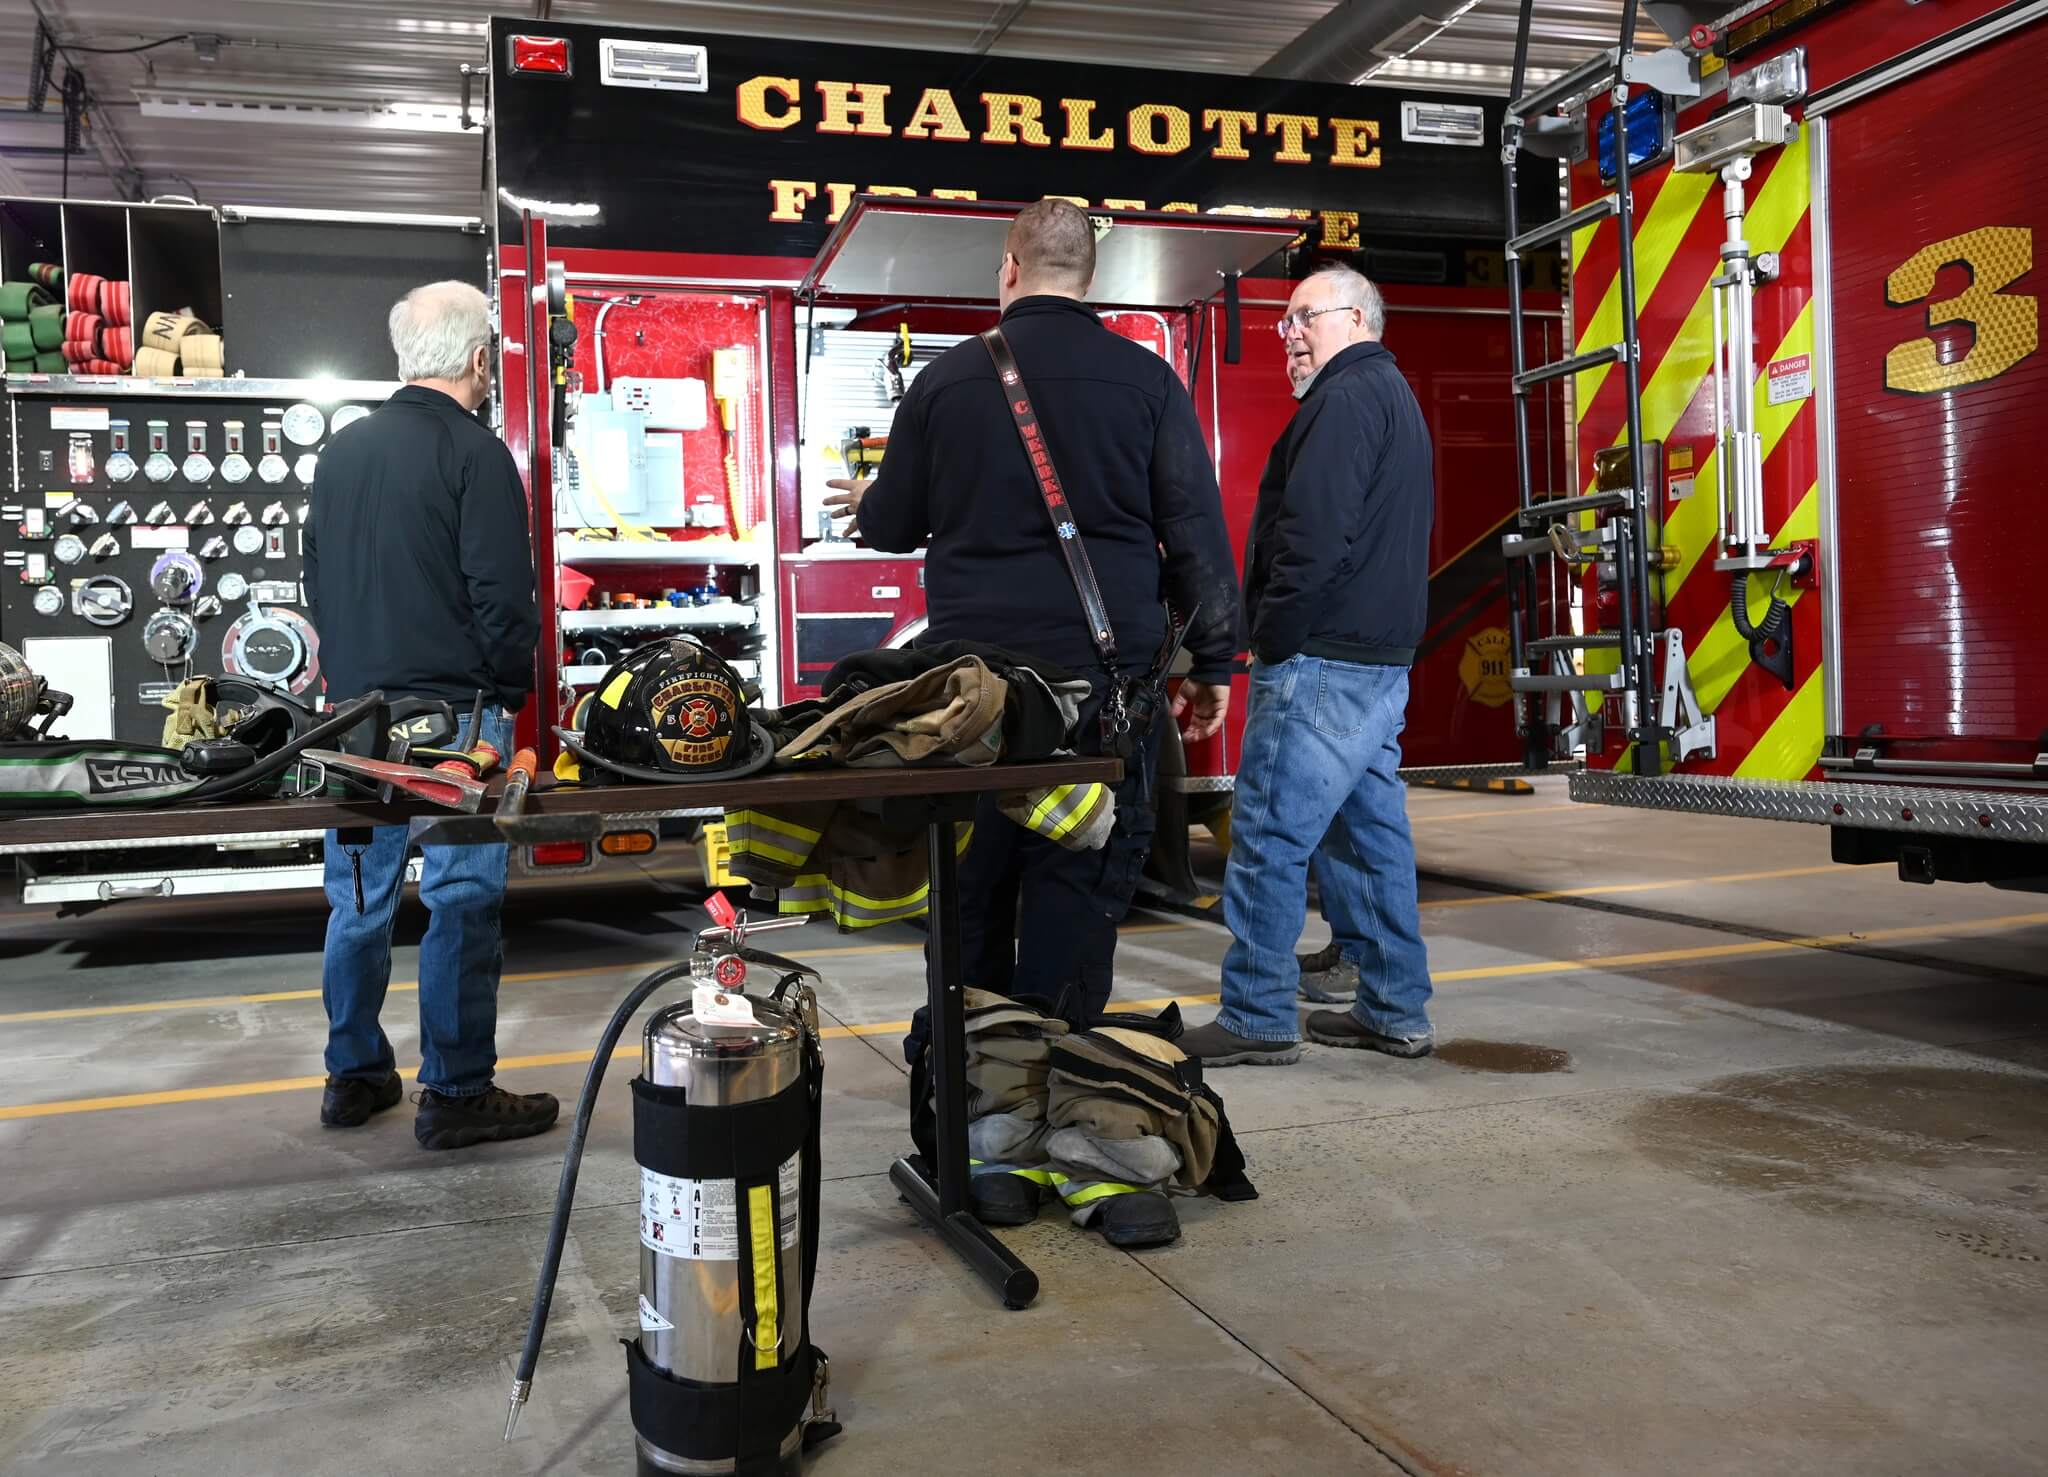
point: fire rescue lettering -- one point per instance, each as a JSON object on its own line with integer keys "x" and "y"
{"x": 1013, "y": 120}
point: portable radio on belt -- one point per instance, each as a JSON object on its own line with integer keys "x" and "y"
{"x": 1131, "y": 705}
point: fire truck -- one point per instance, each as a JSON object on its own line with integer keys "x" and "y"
{"x": 759, "y": 244}
{"x": 1786, "y": 578}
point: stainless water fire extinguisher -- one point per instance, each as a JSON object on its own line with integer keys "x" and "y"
{"x": 722, "y": 1377}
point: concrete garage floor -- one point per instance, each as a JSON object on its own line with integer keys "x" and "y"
{"x": 1732, "y": 1162}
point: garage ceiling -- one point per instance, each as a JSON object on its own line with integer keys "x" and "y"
{"x": 157, "y": 124}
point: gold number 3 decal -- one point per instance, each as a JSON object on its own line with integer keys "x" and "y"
{"x": 2005, "y": 327}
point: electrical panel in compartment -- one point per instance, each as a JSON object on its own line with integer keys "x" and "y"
{"x": 662, "y": 492}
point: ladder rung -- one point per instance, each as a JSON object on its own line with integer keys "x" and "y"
{"x": 1551, "y": 507}
{"x": 1591, "y": 641}
{"x": 1569, "y": 682}
{"x": 1590, "y": 75}
{"x": 1591, "y": 359}
{"x": 1565, "y": 225}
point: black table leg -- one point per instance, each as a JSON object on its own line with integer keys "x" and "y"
{"x": 939, "y": 1192}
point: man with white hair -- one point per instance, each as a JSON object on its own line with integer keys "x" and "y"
{"x": 419, "y": 575}
{"x": 1336, "y": 593}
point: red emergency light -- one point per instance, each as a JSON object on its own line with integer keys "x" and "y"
{"x": 547, "y": 55}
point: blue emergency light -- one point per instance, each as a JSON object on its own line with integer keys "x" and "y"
{"x": 1649, "y": 134}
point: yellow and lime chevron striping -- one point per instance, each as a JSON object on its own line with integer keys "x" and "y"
{"x": 1719, "y": 658}
{"x": 1656, "y": 242}
{"x": 1692, "y": 525}
{"x": 1790, "y": 747}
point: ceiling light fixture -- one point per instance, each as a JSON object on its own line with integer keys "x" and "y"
{"x": 166, "y": 102}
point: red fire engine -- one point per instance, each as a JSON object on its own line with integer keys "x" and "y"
{"x": 1787, "y": 579}
{"x": 732, "y": 352}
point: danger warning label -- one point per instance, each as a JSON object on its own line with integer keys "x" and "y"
{"x": 698, "y": 1220}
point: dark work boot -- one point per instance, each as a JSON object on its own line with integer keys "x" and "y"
{"x": 1134, "y": 1221}
{"x": 350, "y": 1102}
{"x": 486, "y": 1117}
{"x": 1004, "y": 1199}
{"x": 1218, "y": 1046}
{"x": 1342, "y": 1028}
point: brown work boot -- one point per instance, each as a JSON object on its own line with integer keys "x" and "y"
{"x": 486, "y": 1117}
{"x": 1215, "y": 1045}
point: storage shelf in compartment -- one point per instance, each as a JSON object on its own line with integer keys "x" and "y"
{"x": 586, "y": 674}
{"x": 96, "y": 240}
{"x": 677, "y": 551}
{"x": 725, "y": 615}
{"x": 30, "y": 231}
{"x": 174, "y": 253}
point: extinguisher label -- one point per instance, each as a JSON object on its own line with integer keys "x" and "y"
{"x": 698, "y": 1220}
{"x": 650, "y": 1320}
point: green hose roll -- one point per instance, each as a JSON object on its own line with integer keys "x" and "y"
{"x": 49, "y": 274}
{"x": 18, "y": 339}
{"x": 16, "y": 298}
{"x": 52, "y": 364}
{"x": 47, "y": 324}
{"x": 21, "y": 366}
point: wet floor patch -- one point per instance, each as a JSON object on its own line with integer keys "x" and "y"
{"x": 1503, "y": 1056}
{"x": 1942, "y": 1143}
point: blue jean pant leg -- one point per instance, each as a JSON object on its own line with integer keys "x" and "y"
{"x": 356, "y": 967}
{"x": 1290, "y": 781}
{"x": 463, "y": 888}
{"x": 1368, "y": 867}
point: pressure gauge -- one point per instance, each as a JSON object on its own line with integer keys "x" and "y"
{"x": 121, "y": 467}
{"x": 248, "y": 539}
{"x": 234, "y": 468}
{"x": 197, "y": 467}
{"x": 272, "y": 468}
{"x": 348, "y": 415}
{"x": 168, "y": 636}
{"x": 48, "y": 600}
{"x": 104, "y": 600}
{"x": 69, "y": 548}
{"x": 233, "y": 587}
{"x": 303, "y": 424}
{"x": 159, "y": 467}
{"x": 305, "y": 467}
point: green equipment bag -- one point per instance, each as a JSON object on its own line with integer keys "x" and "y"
{"x": 66, "y": 774}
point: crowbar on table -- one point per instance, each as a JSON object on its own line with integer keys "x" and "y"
{"x": 435, "y": 787}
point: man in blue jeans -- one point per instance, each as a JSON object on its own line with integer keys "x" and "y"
{"x": 419, "y": 573}
{"x": 1336, "y": 591}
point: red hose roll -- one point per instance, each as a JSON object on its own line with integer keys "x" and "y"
{"x": 78, "y": 350}
{"x": 114, "y": 301}
{"x": 118, "y": 344}
{"x": 84, "y": 293}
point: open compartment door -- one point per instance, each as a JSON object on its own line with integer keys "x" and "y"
{"x": 888, "y": 246}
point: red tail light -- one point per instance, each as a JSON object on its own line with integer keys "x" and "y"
{"x": 560, "y": 854}
{"x": 548, "y": 55}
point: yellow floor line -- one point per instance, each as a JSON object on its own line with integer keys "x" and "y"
{"x": 1527, "y": 968}
{"x": 1613, "y": 889}
{"x": 1504, "y": 812}
{"x": 399, "y": 987}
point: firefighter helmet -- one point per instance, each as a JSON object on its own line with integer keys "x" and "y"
{"x": 671, "y": 711}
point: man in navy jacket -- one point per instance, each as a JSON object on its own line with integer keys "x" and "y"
{"x": 1037, "y": 919}
{"x": 1336, "y": 590}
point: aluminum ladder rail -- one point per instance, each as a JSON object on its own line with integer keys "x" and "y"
{"x": 1532, "y": 115}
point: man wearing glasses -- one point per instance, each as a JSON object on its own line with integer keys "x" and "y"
{"x": 1336, "y": 589}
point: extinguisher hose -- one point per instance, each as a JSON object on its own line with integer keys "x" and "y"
{"x": 565, "y": 1192}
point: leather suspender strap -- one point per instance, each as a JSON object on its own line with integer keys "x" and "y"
{"x": 1056, "y": 506}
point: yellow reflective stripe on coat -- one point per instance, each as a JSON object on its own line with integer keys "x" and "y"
{"x": 1065, "y": 807}
{"x": 1101, "y": 1191}
{"x": 757, "y": 833}
{"x": 761, "y": 1243}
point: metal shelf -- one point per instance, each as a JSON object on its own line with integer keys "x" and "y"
{"x": 675, "y": 551}
{"x": 586, "y": 674}
{"x": 109, "y": 386}
{"x": 725, "y": 615}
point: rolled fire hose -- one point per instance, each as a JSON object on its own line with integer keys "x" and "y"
{"x": 19, "y": 299}
{"x": 46, "y": 324}
{"x": 48, "y": 275}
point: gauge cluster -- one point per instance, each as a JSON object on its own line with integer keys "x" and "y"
{"x": 148, "y": 538}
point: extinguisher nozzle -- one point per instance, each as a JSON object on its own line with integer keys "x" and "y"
{"x": 520, "y": 1390}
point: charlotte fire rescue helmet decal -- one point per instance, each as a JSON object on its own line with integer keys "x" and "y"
{"x": 671, "y": 711}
